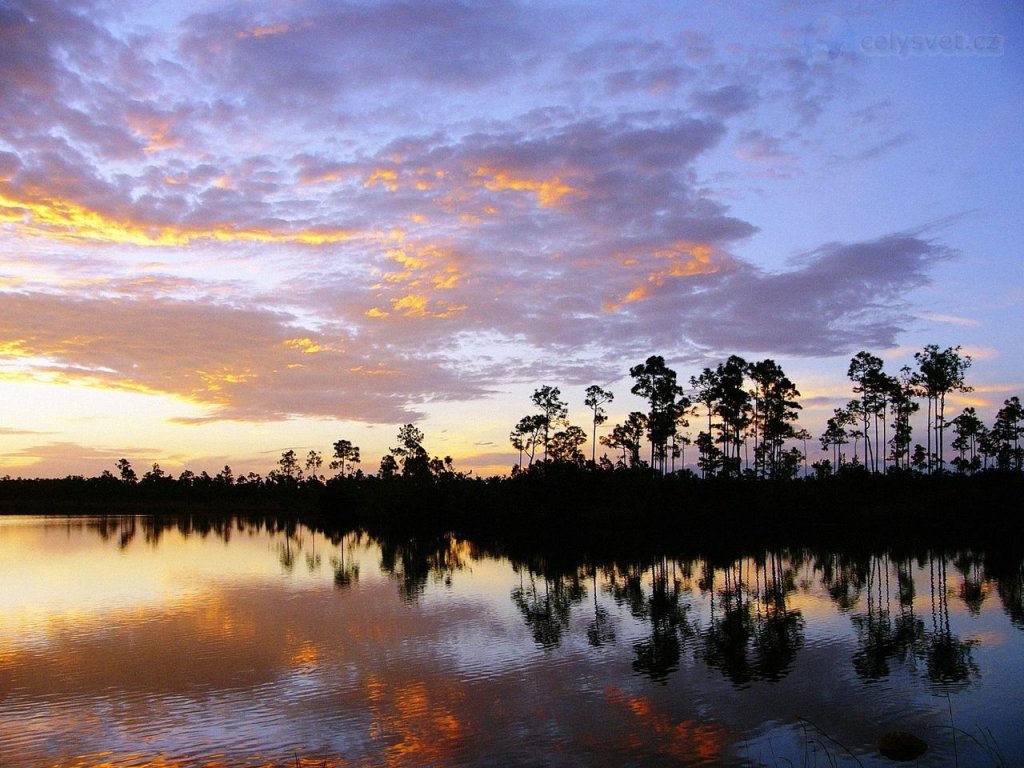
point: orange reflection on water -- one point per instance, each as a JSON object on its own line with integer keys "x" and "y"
{"x": 138, "y": 760}
{"x": 685, "y": 740}
{"x": 416, "y": 723}
{"x": 305, "y": 657}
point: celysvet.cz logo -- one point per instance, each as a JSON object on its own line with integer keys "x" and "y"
{"x": 952, "y": 44}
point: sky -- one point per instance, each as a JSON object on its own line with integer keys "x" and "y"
{"x": 231, "y": 229}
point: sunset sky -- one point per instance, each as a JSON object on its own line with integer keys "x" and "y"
{"x": 229, "y": 229}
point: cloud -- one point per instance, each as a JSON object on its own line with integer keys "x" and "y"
{"x": 239, "y": 363}
{"x": 938, "y": 317}
{"x": 760, "y": 147}
{"x": 63, "y": 457}
{"x": 837, "y": 297}
{"x": 883, "y": 146}
{"x": 323, "y": 50}
{"x": 726, "y": 101}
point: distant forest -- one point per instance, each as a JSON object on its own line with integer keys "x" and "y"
{"x": 746, "y": 416}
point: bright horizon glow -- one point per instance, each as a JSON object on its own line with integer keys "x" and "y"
{"x": 227, "y": 231}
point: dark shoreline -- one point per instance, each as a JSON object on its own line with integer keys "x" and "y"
{"x": 592, "y": 511}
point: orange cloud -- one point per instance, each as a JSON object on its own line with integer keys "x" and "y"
{"x": 423, "y": 271}
{"x": 681, "y": 259}
{"x": 272, "y": 30}
{"x": 215, "y": 380}
{"x": 548, "y": 191}
{"x": 14, "y": 348}
{"x": 276, "y": 29}
{"x": 69, "y": 221}
{"x": 385, "y": 177}
{"x": 304, "y": 345}
{"x": 413, "y": 305}
{"x": 155, "y": 130}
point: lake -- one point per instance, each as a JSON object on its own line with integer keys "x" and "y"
{"x": 133, "y": 641}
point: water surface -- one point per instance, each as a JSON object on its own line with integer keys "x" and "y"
{"x": 130, "y": 642}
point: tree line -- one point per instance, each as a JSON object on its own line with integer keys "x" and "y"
{"x": 750, "y": 408}
{"x": 747, "y": 412}
{"x": 746, "y": 420}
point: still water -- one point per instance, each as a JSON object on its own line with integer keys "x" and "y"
{"x": 128, "y": 642}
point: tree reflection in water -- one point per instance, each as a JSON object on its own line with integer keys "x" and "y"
{"x": 752, "y": 634}
{"x": 891, "y": 631}
{"x": 546, "y": 609}
{"x": 658, "y": 655}
{"x": 973, "y": 589}
{"x": 346, "y": 572}
{"x": 412, "y": 560}
{"x": 748, "y": 630}
{"x": 601, "y": 630}
{"x": 1010, "y": 587}
{"x": 949, "y": 660}
{"x": 735, "y": 616}
{"x": 881, "y": 637}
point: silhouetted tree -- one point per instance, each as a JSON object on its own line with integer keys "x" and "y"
{"x": 527, "y": 436}
{"x": 410, "y": 454}
{"x": 444, "y": 469}
{"x": 732, "y": 404}
{"x": 1006, "y": 434}
{"x": 705, "y": 388}
{"x": 289, "y": 466}
{"x": 921, "y": 459}
{"x": 656, "y": 383}
{"x": 873, "y": 386}
{"x": 679, "y": 443}
{"x": 988, "y": 447}
{"x": 803, "y": 436}
{"x": 901, "y": 397}
{"x": 776, "y": 408}
{"x": 628, "y": 438}
{"x": 253, "y": 478}
{"x": 938, "y": 374}
{"x": 345, "y": 454}
{"x": 710, "y": 456}
{"x": 388, "y": 467}
{"x": 853, "y": 418}
{"x": 565, "y": 445}
{"x": 124, "y": 468}
{"x": 597, "y": 397}
{"x": 314, "y": 460}
{"x": 553, "y": 411}
{"x": 835, "y": 436}
{"x": 967, "y": 427}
